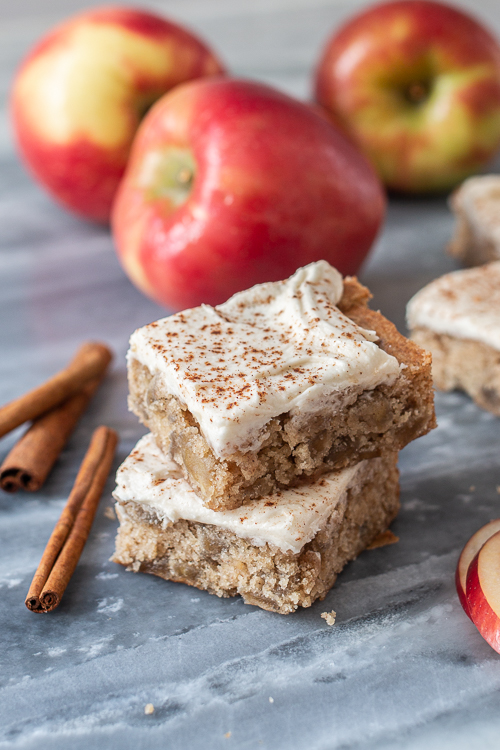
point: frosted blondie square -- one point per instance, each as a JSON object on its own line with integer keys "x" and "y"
{"x": 457, "y": 319}
{"x": 284, "y": 382}
{"x": 476, "y": 205}
{"x": 279, "y": 553}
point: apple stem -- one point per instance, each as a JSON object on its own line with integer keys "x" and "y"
{"x": 417, "y": 92}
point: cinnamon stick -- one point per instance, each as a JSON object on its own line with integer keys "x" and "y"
{"x": 66, "y": 542}
{"x": 28, "y": 464}
{"x": 89, "y": 362}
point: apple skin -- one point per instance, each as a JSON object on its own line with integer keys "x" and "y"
{"x": 468, "y": 554}
{"x": 80, "y": 94}
{"x": 483, "y": 591}
{"x": 269, "y": 185}
{"x": 417, "y": 84}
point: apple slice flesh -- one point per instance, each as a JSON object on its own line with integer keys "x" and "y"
{"x": 483, "y": 591}
{"x": 468, "y": 554}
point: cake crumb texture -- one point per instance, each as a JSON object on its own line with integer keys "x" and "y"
{"x": 476, "y": 205}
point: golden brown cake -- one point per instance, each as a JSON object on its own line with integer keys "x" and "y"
{"x": 282, "y": 383}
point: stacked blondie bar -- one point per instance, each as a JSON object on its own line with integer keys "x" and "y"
{"x": 275, "y": 423}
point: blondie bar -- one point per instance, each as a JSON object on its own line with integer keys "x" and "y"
{"x": 280, "y": 552}
{"x": 476, "y": 205}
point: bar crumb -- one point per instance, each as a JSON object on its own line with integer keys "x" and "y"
{"x": 227, "y": 735}
{"x": 383, "y": 539}
{"x": 109, "y": 512}
{"x": 329, "y": 617}
{"x": 149, "y": 709}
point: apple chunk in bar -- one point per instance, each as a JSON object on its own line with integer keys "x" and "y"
{"x": 279, "y": 553}
{"x": 457, "y": 319}
{"x": 281, "y": 383}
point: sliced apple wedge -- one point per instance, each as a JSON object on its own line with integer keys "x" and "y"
{"x": 468, "y": 554}
{"x": 483, "y": 591}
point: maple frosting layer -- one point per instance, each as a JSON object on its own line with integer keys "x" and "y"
{"x": 276, "y": 348}
{"x": 288, "y": 519}
{"x": 463, "y": 304}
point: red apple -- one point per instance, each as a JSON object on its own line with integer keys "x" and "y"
{"x": 417, "y": 84}
{"x": 483, "y": 591}
{"x": 231, "y": 183}
{"x": 468, "y": 554}
{"x": 80, "y": 94}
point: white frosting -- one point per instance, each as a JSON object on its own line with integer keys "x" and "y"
{"x": 276, "y": 348}
{"x": 463, "y": 304}
{"x": 479, "y": 198}
{"x": 287, "y": 519}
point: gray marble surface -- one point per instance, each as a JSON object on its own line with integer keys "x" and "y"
{"x": 402, "y": 668}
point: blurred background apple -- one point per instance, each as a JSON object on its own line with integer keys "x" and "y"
{"x": 81, "y": 93}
